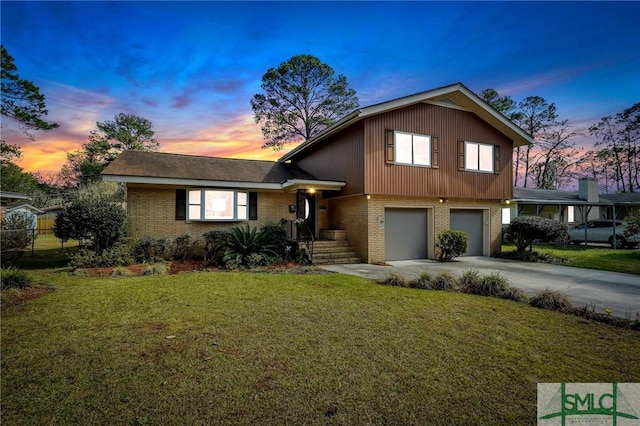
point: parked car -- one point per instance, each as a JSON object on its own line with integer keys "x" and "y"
{"x": 601, "y": 231}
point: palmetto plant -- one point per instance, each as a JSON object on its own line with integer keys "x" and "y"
{"x": 244, "y": 241}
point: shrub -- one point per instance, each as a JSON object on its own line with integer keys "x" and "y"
{"x": 423, "y": 282}
{"x": 523, "y": 230}
{"x": 470, "y": 279}
{"x": 183, "y": 247}
{"x": 532, "y": 256}
{"x": 243, "y": 241}
{"x": 444, "y": 280}
{"x": 492, "y": 285}
{"x": 151, "y": 249}
{"x": 13, "y": 277}
{"x": 279, "y": 236}
{"x": 515, "y": 294}
{"x": 93, "y": 215}
{"x": 633, "y": 224}
{"x": 119, "y": 255}
{"x": 452, "y": 244}
{"x": 396, "y": 280}
{"x": 552, "y": 300}
{"x": 302, "y": 257}
{"x": 121, "y": 271}
{"x": 17, "y": 232}
{"x": 214, "y": 243}
{"x": 155, "y": 269}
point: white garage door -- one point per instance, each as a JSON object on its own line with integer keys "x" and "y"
{"x": 405, "y": 234}
{"x": 470, "y": 221}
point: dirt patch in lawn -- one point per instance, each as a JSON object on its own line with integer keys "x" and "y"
{"x": 14, "y": 297}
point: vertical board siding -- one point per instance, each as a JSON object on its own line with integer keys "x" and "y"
{"x": 339, "y": 158}
{"x": 449, "y": 126}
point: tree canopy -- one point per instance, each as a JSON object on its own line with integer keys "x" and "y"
{"x": 302, "y": 97}
{"x": 21, "y": 99}
{"x": 110, "y": 138}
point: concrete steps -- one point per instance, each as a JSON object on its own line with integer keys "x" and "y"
{"x": 329, "y": 252}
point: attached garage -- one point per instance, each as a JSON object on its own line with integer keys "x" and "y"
{"x": 470, "y": 221}
{"x": 406, "y": 233}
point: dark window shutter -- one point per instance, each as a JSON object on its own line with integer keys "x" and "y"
{"x": 460, "y": 155}
{"x": 181, "y": 204}
{"x": 496, "y": 156}
{"x": 435, "y": 152}
{"x": 389, "y": 154}
{"x": 253, "y": 206}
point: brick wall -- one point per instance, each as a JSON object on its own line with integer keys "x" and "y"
{"x": 151, "y": 211}
{"x": 363, "y": 221}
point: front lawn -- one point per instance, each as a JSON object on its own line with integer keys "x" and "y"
{"x": 246, "y": 348}
{"x": 603, "y": 258}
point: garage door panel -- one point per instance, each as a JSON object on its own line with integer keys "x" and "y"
{"x": 470, "y": 221}
{"x": 405, "y": 234}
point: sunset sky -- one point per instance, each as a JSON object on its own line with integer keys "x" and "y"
{"x": 192, "y": 67}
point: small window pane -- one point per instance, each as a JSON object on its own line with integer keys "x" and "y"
{"x": 242, "y": 198}
{"x": 571, "y": 214}
{"x": 421, "y": 150}
{"x": 471, "y": 156}
{"x": 486, "y": 157}
{"x": 403, "y": 148}
{"x": 194, "y": 212}
{"x": 242, "y": 212}
{"x": 194, "y": 197}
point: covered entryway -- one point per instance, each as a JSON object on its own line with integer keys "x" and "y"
{"x": 470, "y": 221}
{"x": 405, "y": 233}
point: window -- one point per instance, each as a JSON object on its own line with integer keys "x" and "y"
{"x": 571, "y": 214}
{"x": 412, "y": 149}
{"x": 506, "y": 215}
{"x": 206, "y": 204}
{"x": 479, "y": 157}
{"x": 181, "y": 204}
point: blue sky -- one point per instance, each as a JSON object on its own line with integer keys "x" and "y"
{"x": 192, "y": 67}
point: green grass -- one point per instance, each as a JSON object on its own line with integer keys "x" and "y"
{"x": 602, "y": 258}
{"x": 49, "y": 253}
{"x": 248, "y": 348}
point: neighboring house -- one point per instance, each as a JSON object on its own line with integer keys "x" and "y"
{"x": 27, "y": 210}
{"x": 8, "y": 199}
{"x": 571, "y": 207}
{"x": 389, "y": 177}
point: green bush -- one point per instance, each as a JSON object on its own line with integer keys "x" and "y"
{"x": 13, "y": 277}
{"x": 183, "y": 247}
{"x": 532, "y": 256}
{"x": 492, "y": 285}
{"x": 470, "y": 279}
{"x": 444, "y": 280}
{"x": 121, "y": 271}
{"x": 158, "y": 268}
{"x": 151, "y": 249}
{"x": 423, "y": 282}
{"x": 17, "y": 232}
{"x": 93, "y": 216}
{"x": 515, "y": 294}
{"x": 214, "y": 243}
{"x": 243, "y": 241}
{"x": 396, "y": 280}
{"x": 279, "y": 236}
{"x": 552, "y": 300}
{"x": 633, "y": 224}
{"x": 119, "y": 255}
{"x": 302, "y": 257}
{"x": 452, "y": 244}
{"x": 523, "y": 230}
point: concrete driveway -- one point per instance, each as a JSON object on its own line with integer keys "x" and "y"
{"x": 604, "y": 290}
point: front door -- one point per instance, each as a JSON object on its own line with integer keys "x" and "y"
{"x": 306, "y": 209}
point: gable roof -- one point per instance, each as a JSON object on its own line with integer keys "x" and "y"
{"x": 189, "y": 170}
{"x": 452, "y": 96}
{"x": 22, "y": 207}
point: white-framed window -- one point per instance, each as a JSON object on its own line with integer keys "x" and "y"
{"x": 506, "y": 215}
{"x": 217, "y": 205}
{"x": 571, "y": 214}
{"x": 412, "y": 149}
{"x": 478, "y": 157}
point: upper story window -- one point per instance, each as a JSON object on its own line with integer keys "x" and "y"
{"x": 208, "y": 204}
{"x": 479, "y": 157}
{"x": 411, "y": 149}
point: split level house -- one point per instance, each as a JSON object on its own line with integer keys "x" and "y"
{"x": 386, "y": 179}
